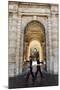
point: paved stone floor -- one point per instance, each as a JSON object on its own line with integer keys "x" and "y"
{"x": 20, "y": 81}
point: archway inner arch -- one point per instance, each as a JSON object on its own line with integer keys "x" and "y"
{"x": 35, "y": 44}
{"x": 34, "y": 37}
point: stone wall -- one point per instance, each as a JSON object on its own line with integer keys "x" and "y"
{"x": 12, "y": 32}
{"x": 20, "y": 14}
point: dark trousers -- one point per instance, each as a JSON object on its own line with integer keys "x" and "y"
{"x": 28, "y": 74}
{"x": 38, "y": 70}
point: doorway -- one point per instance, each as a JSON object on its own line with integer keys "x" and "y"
{"x": 34, "y": 41}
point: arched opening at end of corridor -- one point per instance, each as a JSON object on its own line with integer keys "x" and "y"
{"x": 35, "y": 46}
{"x": 34, "y": 40}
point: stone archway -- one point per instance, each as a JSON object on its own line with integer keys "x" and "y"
{"x": 34, "y": 32}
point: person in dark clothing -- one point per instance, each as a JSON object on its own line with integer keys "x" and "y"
{"x": 38, "y": 69}
{"x": 30, "y": 72}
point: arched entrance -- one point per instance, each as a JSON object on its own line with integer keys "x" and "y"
{"x": 34, "y": 39}
{"x": 35, "y": 46}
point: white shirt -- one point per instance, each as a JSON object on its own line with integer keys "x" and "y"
{"x": 34, "y": 66}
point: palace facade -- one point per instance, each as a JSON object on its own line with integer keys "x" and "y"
{"x": 32, "y": 25}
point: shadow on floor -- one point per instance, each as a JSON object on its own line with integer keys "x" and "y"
{"x": 20, "y": 81}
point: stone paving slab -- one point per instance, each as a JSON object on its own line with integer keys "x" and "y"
{"x": 20, "y": 81}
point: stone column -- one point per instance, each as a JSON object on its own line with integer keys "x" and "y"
{"x": 12, "y": 45}
{"x": 46, "y": 46}
{"x": 21, "y": 48}
{"x": 18, "y": 49}
{"x": 49, "y": 61}
{"x": 55, "y": 29}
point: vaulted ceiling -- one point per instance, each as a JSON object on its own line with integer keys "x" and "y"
{"x": 34, "y": 31}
